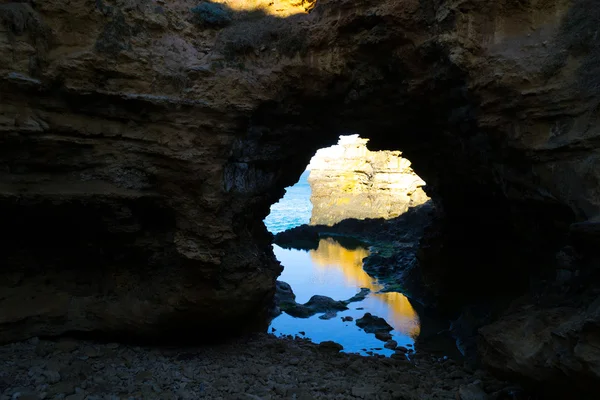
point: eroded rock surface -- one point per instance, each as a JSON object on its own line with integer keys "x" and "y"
{"x": 350, "y": 181}
{"x": 285, "y": 301}
{"x": 373, "y": 324}
{"x": 261, "y": 367}
{"x": 140, "y": 152}
{"x": 559, "y": 344}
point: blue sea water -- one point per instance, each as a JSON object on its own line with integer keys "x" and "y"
{"x": 335, "y": 271}
{"x": 293, "y": 209}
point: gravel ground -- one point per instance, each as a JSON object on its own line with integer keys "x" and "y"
{"x": 257, "y": 367}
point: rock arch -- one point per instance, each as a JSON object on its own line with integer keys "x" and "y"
{"x": 138, "y": 162}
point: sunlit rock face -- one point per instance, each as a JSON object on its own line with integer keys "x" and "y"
{"x": 350, "y": 181}
{"x": 140, "y": 151}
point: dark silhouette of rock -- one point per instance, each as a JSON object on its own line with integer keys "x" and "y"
{"x": 372, "y": 324}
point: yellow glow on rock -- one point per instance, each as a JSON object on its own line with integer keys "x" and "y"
{"x": 279, "y": 8}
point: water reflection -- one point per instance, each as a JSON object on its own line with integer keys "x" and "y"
{"x": 336, "y": 271}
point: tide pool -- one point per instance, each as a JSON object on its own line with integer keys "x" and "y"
{"x": 335, "y": 271}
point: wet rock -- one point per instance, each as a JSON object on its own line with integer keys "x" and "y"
{"x": 347, "y": 319}
{"x": 330, "y": 345}
{"x": 328, "y": 315}
{"x": 324, "y": 304}
{"x": 472, "y": 391}
{"x": 390, "y": 344}
{"x": 284, "y": 293}
{"x": 383, "y": 336}
{"x": 302, "y": 238}
{"x": 549, "y": 347}
{"x": 398, "y": 355}
{"x": 372, "y": 324}
{"x": 260, "y": 365}
{"x": 364, "y": 292}
{"x": 316, "y": 304}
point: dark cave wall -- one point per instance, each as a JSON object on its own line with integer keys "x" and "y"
{"x": 168, "y": 185}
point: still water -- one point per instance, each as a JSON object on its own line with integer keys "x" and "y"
{"x": 336, "y": 271}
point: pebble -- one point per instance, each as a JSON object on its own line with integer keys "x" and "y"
{"x": 260, "y": 367}
{"x": 390, "y": 344}
{"x": 383, "y": 336}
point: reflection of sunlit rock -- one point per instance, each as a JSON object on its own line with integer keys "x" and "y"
{"x": 402, "y": 315}
{"x": 394, "y": 307}
{"x": 331, "y": 253}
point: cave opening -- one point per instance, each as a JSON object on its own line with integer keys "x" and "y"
{"x": 346, "y": 234}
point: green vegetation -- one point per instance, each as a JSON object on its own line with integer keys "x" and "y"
{"x": 212, "y": 15}
{"x": 265, "y": 33}
{"x": 250, "y": 31}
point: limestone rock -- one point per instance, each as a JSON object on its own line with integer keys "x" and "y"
{"x": 383, "y": 336}
{"x": 550, "y": 348}
{"x": 284, "y": 293}
{"x": 349, "y": 181}
{"x": 316, "y": 304}
{"x": 139, "y": 154}
{"x": 391, "y": 344}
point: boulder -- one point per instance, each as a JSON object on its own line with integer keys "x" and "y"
{"x": 555, "y": 350}
{"x": 373, "y": 324}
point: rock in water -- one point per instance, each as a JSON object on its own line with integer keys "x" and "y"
{"x": 316, "y": 304}
{"x": 360, "y": 296}
{"x": 390, "y": 344}
{"x": 284, "y": 293}
{"x": 330, "y": 345}
{"x": 383, "y": 335}
{"x": 319, "y": 303}
{"x": 373, "y": 324}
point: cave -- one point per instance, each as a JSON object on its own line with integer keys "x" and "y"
{"x": 141, "y": 151}
{"x": 346, "y": 235}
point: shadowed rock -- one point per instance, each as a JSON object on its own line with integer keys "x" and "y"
{"x": 316, "y": 304}
{"x": 373, "y": 324}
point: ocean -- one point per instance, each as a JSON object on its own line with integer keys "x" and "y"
{"x": 334, "y": 271}
{"x": 293, "y": 209}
